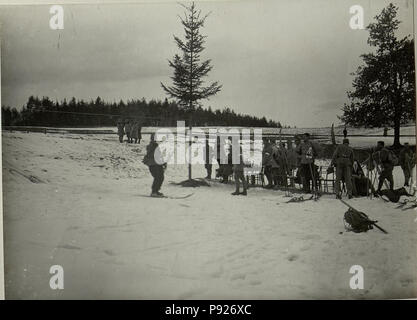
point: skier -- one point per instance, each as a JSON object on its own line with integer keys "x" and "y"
{"x": 154, "y": 160}
{"x": 343, "y": 160}
{"x": 120, "y": 130}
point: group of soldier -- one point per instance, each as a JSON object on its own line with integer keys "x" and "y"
{"x": 284, "y": 164}
{"x": 130, "y": 128}
{"x": 279, "y": 160}
{"x": 290, "y": 163}
{"x": 349, "y": 170}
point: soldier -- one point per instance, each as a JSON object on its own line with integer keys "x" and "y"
{"x": 297, "y": 158}
{"x": 292, "y": 160}
{"x": 228, "y": 167}
{"x": 383, "y": 157}
{"x": 154, "y": 160}
{"x": 128, "y": 129}
{"x": 283, "y": 165}
{"x": 120, "y": 130}
{"x": 269, "y": 163}
{"x": 139, "y": 133}
{"x": 219, "y": 172}
{"x": 274, "y": 164}
{"x": 134, "y": 132}
{"x": 224, "y": 168}
{"x": 307, "y": 151}
{"x": 343, "y": 160}
{"x": 209, "y": 153}
{"x": 407, "y": 162}
{"x": 238, "y": 171}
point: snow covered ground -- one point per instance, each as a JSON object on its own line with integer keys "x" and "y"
{"x": 80, "y": 201}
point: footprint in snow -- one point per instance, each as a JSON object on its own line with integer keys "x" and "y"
{"x": 109, "y": 252}
{"x": 238, "y": 276}
{"x": 292, "y": 257}
{"x": 73, "y": 228}
{"x": 68, "y": 246}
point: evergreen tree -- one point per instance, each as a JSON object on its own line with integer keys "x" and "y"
{"x": 384, "y": 87}
{"x": 188, "y": 84}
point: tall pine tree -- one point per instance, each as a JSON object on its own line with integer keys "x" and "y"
{"x": 384, "y": 87}
{"x": 188, "y": 86}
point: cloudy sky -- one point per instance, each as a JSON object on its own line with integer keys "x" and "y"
{"x": 288, "y": 60}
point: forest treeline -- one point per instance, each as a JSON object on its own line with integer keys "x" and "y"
{"x": 79, "y": 113}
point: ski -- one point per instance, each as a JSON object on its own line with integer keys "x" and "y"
{"x": 413, "y": 206}
{"x": 179, "y": 197}
{"x": 168, "y": 197}
{"x": 299, "y": 199}
{"x": 402, "y": 204}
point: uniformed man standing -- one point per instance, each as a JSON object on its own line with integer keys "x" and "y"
{"x": 238, "y": 171}
{"x": 134, "y": 132}
{"x": 120, "y": 130}
{"x": 283, "y": 165}
{"x": 209, "y": 154}
{"x": 343, "y": 160}
{"x": 128, "y": 129}
{"x": 154, "y": 160}
{"x": 407, "y": 162}
{"x": 308, "y": 153}
{"x": 270, "y": 164}
{"x": 383, "y": 157}
{"x": 139, "y": 133}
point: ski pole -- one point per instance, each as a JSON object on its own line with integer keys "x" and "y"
{"x": 313, "y": 181}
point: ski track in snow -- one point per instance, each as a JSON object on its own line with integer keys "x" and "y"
{"x": 73, "y": 200}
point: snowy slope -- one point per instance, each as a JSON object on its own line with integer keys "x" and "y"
{"x": 81, "y": 202}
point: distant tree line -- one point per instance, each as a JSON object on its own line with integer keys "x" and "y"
{"x": 79, "y": 113}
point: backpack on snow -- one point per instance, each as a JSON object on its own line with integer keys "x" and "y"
{"x": 357, "y": 221}
{"x": 395, "y": 195}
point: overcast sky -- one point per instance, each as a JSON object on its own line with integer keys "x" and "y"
{"x": 288, "y": 60}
